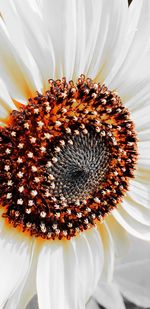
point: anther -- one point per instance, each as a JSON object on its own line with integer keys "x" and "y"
{"x": 30, "y": 203}
{"x": 32, "y": 140}
{"x": 20, "y": 174}
{"x": 34, "y": 168}
{"x": 8, "y": 151}
{"x": 43, "y": 214}
{"x": 20, "y": 145}
{"x": 36, "y": 110}
{"x": 97, "y": 200}
{"x": 47, "y": 135}
{"x": 9, "y": 195}
{"x": 48, "y": 108}
{"x": 33, "y": 193}
{"x": 40, "y": 124}
{"x": 20, "y": 201}
{"x": 26, "y": 125}
{"x": 43, "y": 149}
{"x": 30, "y": 154}
{"x": 6, "y": 168}
{"x": 28, "y": 210}
{"x": 58, "y": 123}
{"x": 9, "y": 183}
{"x": 19, "y": 160}
{"x": 36, "y": 179}
{"x": 21, "y": 189}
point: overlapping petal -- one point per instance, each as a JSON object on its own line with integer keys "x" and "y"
{"x": 92, "y": 304}
{"x": 119, "y": 237}
{"x": 131, "y": 279}
{"x": 6, "y": 103}
{"x": 131, "y": 225}
{"x": 14, "y": 72}
{"x": 132, "y": 273}
{"x": 109, "y": 296}
{"x": 15, "y": 258}
{"x": 131, "y": 68}
{"x": 140, "y": 193}
{"x": 109, "y": 253}
{"x": 27, "y": 288}
{"x": 70, "y": 272}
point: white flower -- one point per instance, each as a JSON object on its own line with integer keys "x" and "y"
{"x": 108, "y": 42}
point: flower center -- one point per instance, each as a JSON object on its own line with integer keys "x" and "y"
{"x": 80, "y": 166}
{"x": 66, "y": 159}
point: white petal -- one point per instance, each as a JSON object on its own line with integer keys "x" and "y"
{"x": 139, "y": 250}
{"x": 144, "y": 148}
{"x": 27, "y": 288}
{"x": 140, "y": 193}
{"x": 144, "y": 164}
{"x": 14, "y": 71}
{"x": 144, "y": 135}
{"x": 3, "y": 114}
{"x": 140, "y": 114}
{"x": 104, "y": 36}
{"x": 82, "y": 46}
{"x": 134, "y": 53}
{"x": 89, "y": 245}
{"x": 119, "y": 236}
{"x": 109, "y": 296}
{"x": 132, "y": 226}
{"x": 33, "y": 303}
{"x": 142, "y": 174}
{"x": 132, "y": 273}
{"x": 126, "y": 281}
{"x": 60, "y": 21}
{"x": 50, "y": 271}
{"x": 92, "y": 304}
{"x": 133, "y": 280}
{"x": 32, "y": 42}
{"x": 6, "y": 103}
{"x": 138, "y": 98}
{"x": 16, "y": 251}
{"x": 108, "y": 246}
{"x": 70, "y": 271}
{"x": 144, "y": 159}
{"x": 136, "y": 211}
{"x": 138, "y": 105}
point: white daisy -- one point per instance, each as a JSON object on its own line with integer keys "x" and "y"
{"x": 83, "y": 168}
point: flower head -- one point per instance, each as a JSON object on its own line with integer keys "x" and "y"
{"x": 73, "y": 159}
{"x": 73, "y": 183}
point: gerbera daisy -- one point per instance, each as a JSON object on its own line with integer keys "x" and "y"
{"x": 74, "y": 105}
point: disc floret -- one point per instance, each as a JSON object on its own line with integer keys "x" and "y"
{"x": 66, "y": 159}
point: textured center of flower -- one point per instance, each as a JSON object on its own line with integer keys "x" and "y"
{"x": 80, "y": 167}
{"x": 66, "y": 159}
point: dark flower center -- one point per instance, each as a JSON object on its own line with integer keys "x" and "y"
{"x": 66, "y": 159}
{"x": 80, "y": 167}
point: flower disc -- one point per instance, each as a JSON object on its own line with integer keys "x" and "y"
{"x": 66, "y": 159}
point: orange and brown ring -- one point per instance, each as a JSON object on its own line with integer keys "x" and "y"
{"x": 34, "y": 136}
